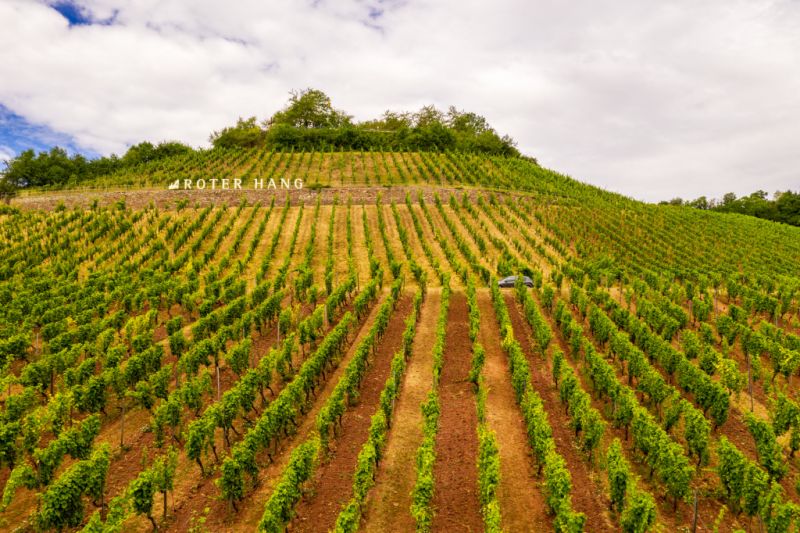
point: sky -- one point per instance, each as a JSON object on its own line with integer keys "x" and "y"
{"x": 650, "y": 99}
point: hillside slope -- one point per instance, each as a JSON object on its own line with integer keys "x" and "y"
{"x": 258, "y": 358}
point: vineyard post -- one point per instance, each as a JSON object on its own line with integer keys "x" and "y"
{"x": 252, "y": 352}
{"x": 122, "y": 427}
{"x": 694, "y": 520}
{"x": 750, "y": 381}
{"x": 714, "y": 308}
{"x": 218, "y": 386}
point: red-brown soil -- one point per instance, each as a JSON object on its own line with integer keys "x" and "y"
{"x": 333, "y": 481}
{"x": 389, "y": 502}
{"x": 522, "y": 503}
{"x": 195, "y": 493}
{"x": 455, "y": 496}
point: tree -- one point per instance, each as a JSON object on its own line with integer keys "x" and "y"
{"x": 784, "y": 207}
{"x": 487, "y": 141}
{"x": 390, "y": 121}
{"x": 309, "y": 108}
{"x": 787, "y": 207}
{"x": 245, "y": 133}
{"x": 433, "y": 135}
{"x": 428, "y": 116}
{"x": 8, "y": 189}
{"x": 146, "y": 152}
{"x": 699, "y": 203}
{"x": 464, "y": 121}
{"x": 57, "y": 168}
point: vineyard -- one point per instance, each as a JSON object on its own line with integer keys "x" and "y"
{"x": 346, "y": 362}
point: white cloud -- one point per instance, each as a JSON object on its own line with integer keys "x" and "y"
{"x": 652, "y": 100}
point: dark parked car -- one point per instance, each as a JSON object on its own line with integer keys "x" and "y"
{"x": 510, "y": 281}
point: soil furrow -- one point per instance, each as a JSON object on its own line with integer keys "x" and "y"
{"x": 388, "y": 505}
{"x": 587, "y": 493}
{"x": 334, "y": 479}
{"x": 455, "y": 495}
{"x": 522, "y": 502}
{"x": 194, "y": 493}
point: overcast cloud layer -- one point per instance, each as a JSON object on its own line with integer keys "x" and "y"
{"x": 653, "y": 100}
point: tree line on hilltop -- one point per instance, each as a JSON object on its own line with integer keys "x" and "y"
{"x": 307, "y": 122}
{"x": 784, "y": 206}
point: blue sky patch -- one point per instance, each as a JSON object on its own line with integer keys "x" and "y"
{"x": 78, "y": 15}
{"x": 17, "y": 135}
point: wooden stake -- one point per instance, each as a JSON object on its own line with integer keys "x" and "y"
{"x": 122, "y": 427}
{"x": 750, "y": 382}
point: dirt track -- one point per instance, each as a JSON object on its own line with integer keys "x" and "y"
{"x": 388, "y": 505}
{"x": 455, "y": 497}
{"x": 522, "y": 501}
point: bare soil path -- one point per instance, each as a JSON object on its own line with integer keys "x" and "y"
{"x": 522, "y": 503}
{"x": 455, "y": 497}
{"x": 388, "y": 506}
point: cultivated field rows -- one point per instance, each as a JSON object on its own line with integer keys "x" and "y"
{"x": 347, "y": 366}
